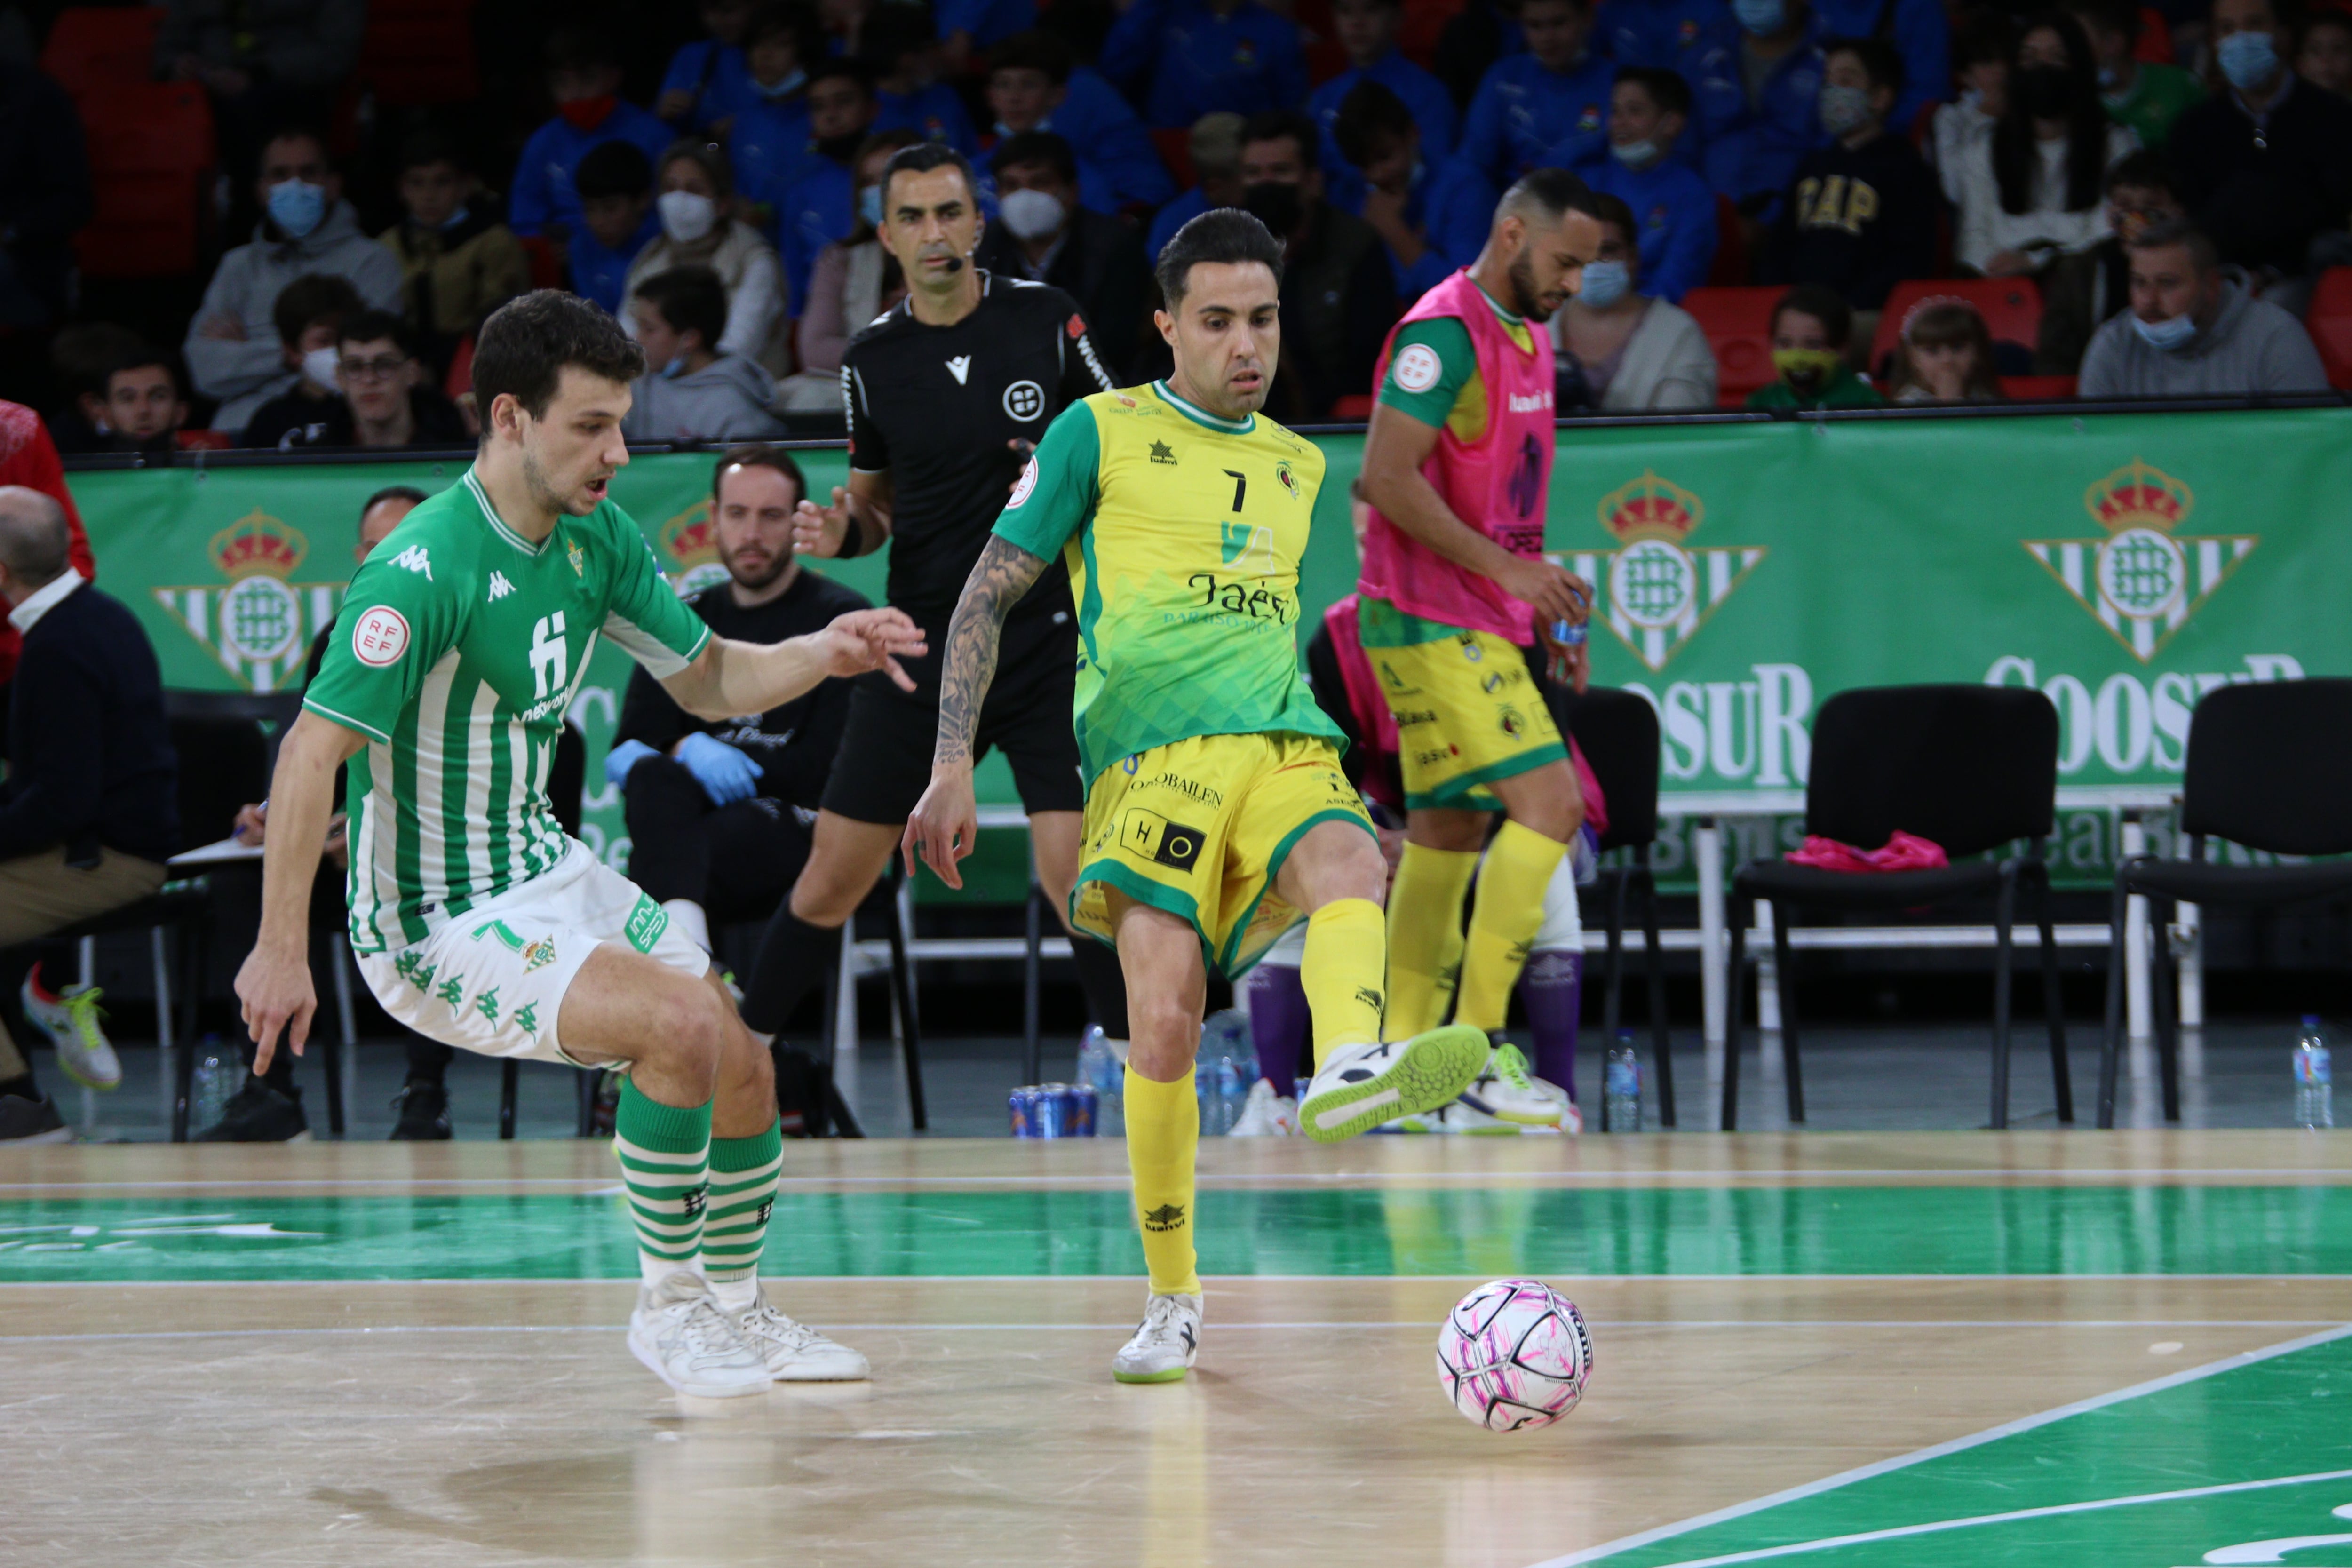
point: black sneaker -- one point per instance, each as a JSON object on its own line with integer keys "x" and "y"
{"x": 259, "y": 1114}
{"x": 423, "y": 1108}
{"x": 25, "y": 1121}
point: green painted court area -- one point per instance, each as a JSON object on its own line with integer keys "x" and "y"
{"x": 2080, "y": 1231}
{"x": 2251, "y": 1463}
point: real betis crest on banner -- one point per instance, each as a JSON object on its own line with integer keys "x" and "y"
{"x": 2145, "y": 578}
{"x": 690, "y": 541}
{"x": 1657, "y": 591}
{"x": 255, "y": 618}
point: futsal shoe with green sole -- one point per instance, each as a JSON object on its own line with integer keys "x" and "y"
{"x": 1362, "y": 1086}
{"x": 1505, "y": 1091}
{"x": 70, "y": 1019}
{"x": 1164, "y": 1344}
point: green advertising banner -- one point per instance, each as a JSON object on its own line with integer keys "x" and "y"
{"x": 2122, "y": 563}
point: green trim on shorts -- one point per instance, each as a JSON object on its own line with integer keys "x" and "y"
{"x": 1143, "y": 890}
{"x": 1274, "y": 869}
{"x": 1380, "y": 624}
{"x": 1454, "y": 795}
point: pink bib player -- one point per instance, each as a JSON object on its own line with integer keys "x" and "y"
{"x": 1497, "y": 484}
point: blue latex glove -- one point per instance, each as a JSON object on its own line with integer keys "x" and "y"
{"x": 726, "y": 775}
{"x": 622, "y": 758}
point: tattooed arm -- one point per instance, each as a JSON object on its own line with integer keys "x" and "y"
{"x": 946, "y": 822}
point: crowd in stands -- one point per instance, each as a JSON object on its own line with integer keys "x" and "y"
{"x": 2165, "y": 184}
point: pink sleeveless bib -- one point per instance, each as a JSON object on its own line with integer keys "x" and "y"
{"x": 1497, "y": 485}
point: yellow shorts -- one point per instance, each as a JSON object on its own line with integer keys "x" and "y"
{"x": 1200, "y": 828}
{"x": 1466, "y": 710}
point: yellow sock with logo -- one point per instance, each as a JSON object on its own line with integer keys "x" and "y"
{"x": 1425, "y": 935}
{"x": 1503, "y": 920}
{"x": 1163, "y": 1134}
{"x": 1346, "y": 953}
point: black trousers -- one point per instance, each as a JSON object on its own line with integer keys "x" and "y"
{"x": 737, "y": 861}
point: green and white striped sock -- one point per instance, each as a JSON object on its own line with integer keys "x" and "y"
{"x": 743, "y": 1175}
{"x": 665, "y": 1151}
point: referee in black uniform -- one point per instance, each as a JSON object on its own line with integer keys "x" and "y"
{"x": 946, "y": 395}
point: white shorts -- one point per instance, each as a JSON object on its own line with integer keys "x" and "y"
{"x": 1563, "y": 927}
{"x": 492, "y": 979}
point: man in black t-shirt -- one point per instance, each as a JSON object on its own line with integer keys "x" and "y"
{"x": 946, "y": 395}
{"x": 719, "y": 812}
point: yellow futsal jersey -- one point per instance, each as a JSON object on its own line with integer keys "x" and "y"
{"x": 1183, "y": 533}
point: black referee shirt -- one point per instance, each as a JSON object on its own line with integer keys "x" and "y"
{"x": 940, "y": 408}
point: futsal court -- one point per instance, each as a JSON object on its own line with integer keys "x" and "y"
{"x": 2129, "y": 1349}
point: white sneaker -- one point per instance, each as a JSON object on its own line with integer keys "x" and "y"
{"x": 794, "y": 1351}
{"x": 69, "y": 1018}
{"x": 1164, "y": 1344}
{"x": 1266, "y": 1114}
{"x": 683, "y": 1337}
{"x": 1506, "y": 1093}
{"x": 1362, "y": 1086}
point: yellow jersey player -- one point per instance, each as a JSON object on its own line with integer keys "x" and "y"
{"x": 1217, "y": 816}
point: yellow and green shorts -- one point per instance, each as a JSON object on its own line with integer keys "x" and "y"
{"x": 1466, "y": 709}
{"x": 1200, "y": 830}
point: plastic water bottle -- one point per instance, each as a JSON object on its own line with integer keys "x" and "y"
{"x": 219, "y": 1074}
{"x": 1223, "y": 1071}
{"x": 1100, "y": 1070}
{"x": 1621, "y": 1106}
{"x": 2314, "y": 1106}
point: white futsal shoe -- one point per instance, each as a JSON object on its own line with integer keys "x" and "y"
{"x": 1164, "y": 1344}
{"x": 1362, "y": 1086}
{"x": 1266, "y": 1114}
{"x": 683, "y": 1338}
{"x": 1505, "y": 1091}
{"x": 794, "y": 1351}
{"x": 70, "y": 1019}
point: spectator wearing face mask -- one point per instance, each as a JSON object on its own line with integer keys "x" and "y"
{"x": 1430, "y": 219}
{"x": 2144, "y": 97}
{"x": 855, "y": 280}
{"x": 1983, "y": 43}
{"x": 1338, "y": 296}
{"x": 1215, "y": 144}
{"x": 1812, "y": 332}
{"x": 1042, "y": 234}
{"x": 583, "y": 77}
{"x": 307, "y": 316}
{"x": 2192, "y": 330}
{"x": 385, "y": 401}
{"x": 1367, "y": 29}
{"x": 234, "y": 350}
{"x": 2323, "y": 52}
{"x": 821, "y": 205}
{"x": 1757, "y": 94}
{"x": 1921, "y": 33}
{"x": 1180, "y": 59}
{"x": 1860, "y": 214}
{"x": 901, "y": 44}
{"x": 699, "y": 229}
{"x": 690, "y": 390}
{"x": 708, "y": 82}
{"x": 457, "y": 261}
{"x": 1945, "y": 354}
{"x": 2084, "y": 291}
{"x": 618, "y": 221}
{"x": 139, "y": 407}
{"x": 2032, "y": 194}
{"x": 1649, "y": 110}
{"x": 1620, "y": 349}
{"x": 2265, "y": 165}
{"x": 1547, "y": 105}
{"x": 1036, "y": 84}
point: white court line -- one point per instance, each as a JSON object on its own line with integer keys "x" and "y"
{"x": 1555, "y": 1277}
{"x": 1920, "y": 1456}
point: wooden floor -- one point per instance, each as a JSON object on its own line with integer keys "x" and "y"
{"x": 394, "y": 1355}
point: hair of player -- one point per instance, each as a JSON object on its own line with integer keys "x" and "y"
{"x": 294, "y": 131}
{"x": 408, "y": 493}
{"x": 141, "y": 356}
{"x": 1879, "y": 59}
{"x": 614, "y": 168}
{"x": 691, "y": 300}
{"x": 1035, "y": 50}
{"x": 1046, "y": 147}
{"x": 704, "y": 154}
{"x": 2148, "y": 170}
{"x": 1371, "y": 117}
{"x": 578, "y": 47}
{"x": 35, "y": 544}
{"x": 921, "y": 159}
{"x": 522, "y": 350}
{"x": 1541, "y": 197}
{"x": 1284, "y": 125}
{"x": 1667, "y": 91}
{"x": 2202, "y": 255}
{"x": 1823, "y": 304}
{"x": 376, "y": 327}
{"x": 759, "y": 455}
{"x": 1225, "y": 234}
{"x": 313, "y": 299}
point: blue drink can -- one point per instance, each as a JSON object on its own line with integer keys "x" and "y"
{"x": 1053, "y": 1111}
{"x": 1568, "y": 635}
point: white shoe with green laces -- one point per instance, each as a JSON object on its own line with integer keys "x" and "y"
{"x": 70, "y": 1019}
{"x": 1505, "y": 1091}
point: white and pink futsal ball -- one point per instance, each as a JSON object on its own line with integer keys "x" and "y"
{"x": 1513, "y": 1355}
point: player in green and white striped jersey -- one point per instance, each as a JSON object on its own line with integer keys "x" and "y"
{"x": 476, "y": 918}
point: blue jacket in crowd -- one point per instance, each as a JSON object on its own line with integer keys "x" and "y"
{"x": 597, "y": 273}
{"x": 715, "y": 73}
{"x": 935, "y": 114}
{"x": 1432, "y": 105}
{"x": 1453, "y": 205}
{"x": 1181, "y": 60}
{"x": 990, "y": 22}
{"x": 1118, "y": 164}
{"x": 1753, "y": 152}
{"x": 769, "y": 148}
{"x": 543, "y": 192}
{"x": 1920, "y": 32}
{"x": 1525, "y": 116}
{"x": 1674, "y": 221}
{"x": 1658, "y": 32}
{"x": 820, "y": 208}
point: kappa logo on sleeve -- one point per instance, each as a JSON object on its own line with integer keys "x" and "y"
{"x": 379, "y": 637}
{"x": 415, "y": 559}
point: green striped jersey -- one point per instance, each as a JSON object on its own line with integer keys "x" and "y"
{"x": 457, "y": 652}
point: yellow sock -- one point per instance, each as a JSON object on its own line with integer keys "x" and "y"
{"x": 1347, "y": 953}
{"x": 1163, "y": 1133}
{"x": 1425, "y": 936}
{"x": 1504, "y": 921}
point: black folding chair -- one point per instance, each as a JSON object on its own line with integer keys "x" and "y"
{"x": 1971, "y": 767}
{"x": 1618, "y": 733}
{"x": 2265, "y": 770}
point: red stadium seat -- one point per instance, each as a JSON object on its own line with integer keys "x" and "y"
{"x": 2012, "y": 307}
{"x": 150, "y": 160}
{"x": 1425, "y": 23}
{"x": 202, "y": 440}
{"x": 546, "y": 262}
{"x": 1730, "y": 268}
{"x": 97, "y": 48}
{"x": 460, "y": 379}
{"x": 1358, "y": 406}
{"x": 2155, "y": 44}
{"x": 2037, "y": 388}
{"x": 420, "y": 52}
{"x": 1738, "y": 327}
{"x": 1175, "y": 148}
{"x": 2329, "y": 322}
